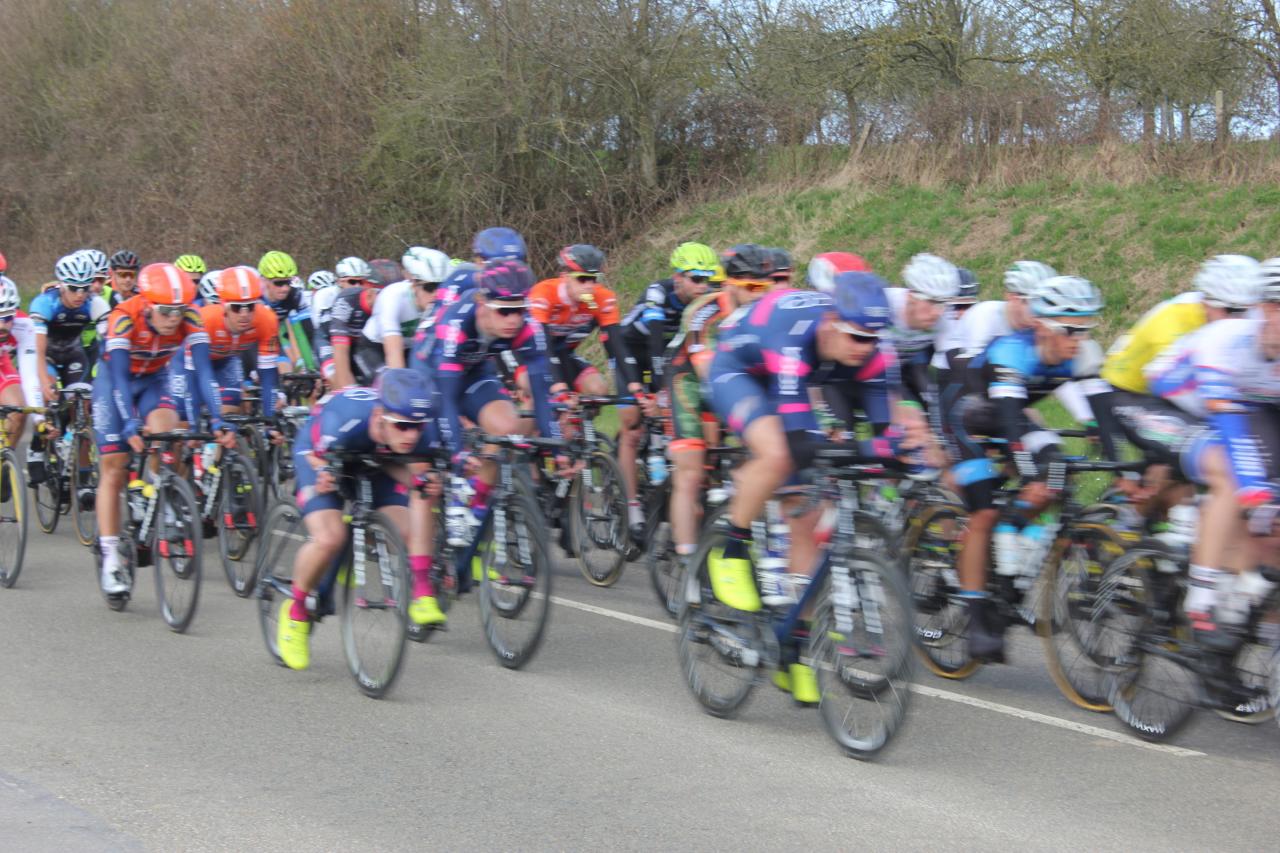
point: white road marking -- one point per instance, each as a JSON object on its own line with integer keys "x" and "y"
{"x": 933, "y": 692}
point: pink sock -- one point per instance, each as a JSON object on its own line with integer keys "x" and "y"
{"x": 421, "y": 568}
{"x": 298, "y": 610}
{"x": 481, "y": 498}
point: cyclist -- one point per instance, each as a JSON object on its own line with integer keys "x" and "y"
{"x": 386, "y": 272}
{"x": 192, "y": 265}
{"x": 207, "y": 289}
{"x": 824, "y": 267}
{"x": 647, "y": 330}
{"x": 18, "y": 383}
{"x": 1014, "y": 372}
{"x": 394, "y": 417}
{"x": 132, "y": 393}
{"x": 915, "y": 313}
{"x": 324, "y": 290}
{"x": 124, "y": 277}
{"x": 282, "y": 297}
{"x": 59, "y": 318}
{"x": 353, "y": 275}
{"x": 352, "y": 309}
{"x": 498, "y": 244}
{"x": 101, "y": 270}
{"x": 398, "y": 309}
{"x": 783, "y": 266}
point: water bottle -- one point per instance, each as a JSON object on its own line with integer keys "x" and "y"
{"x": 777, "y": 538}
{"x": 1008, "y": 549}
{"x": 1181, "y": 529}
{"x": 657, "y": 461}
{"x": 209, "y": 455}
{"x": 137, "y": 500}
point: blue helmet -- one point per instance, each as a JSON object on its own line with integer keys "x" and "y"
{"x": 460, "y": 279}
{"x": 498, "y": 244}
{"x": 505, "y": 280}
{"x": 860, "y": 299}
{"x": 404, "y": 394}
{"x": 968, "y": 292}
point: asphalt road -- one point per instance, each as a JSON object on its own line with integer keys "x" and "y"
{"x": 119, "y": 735}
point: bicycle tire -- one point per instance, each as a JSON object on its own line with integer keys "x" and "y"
{"x": 870, "y": 662}
{"x": 385, "y": 589}
{"x": 599, "y": 521}
{"x": 1078, "y": 607}
{"x": 84, "y": 478}
{"x": 929, "y": 549}
{"x": 50, "y": 503}
{"x": 13, "y": 518}
{"x": 238, "y": 510}
{"x": 276, "y": 546}
{"x": 176, "y": 553}
{"x": 515, "y": 580}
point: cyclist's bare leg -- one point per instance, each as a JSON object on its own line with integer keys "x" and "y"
{"x": 686, "y": 508}
{"x": 326, "y": 537}
{"x": 971, "y": 564}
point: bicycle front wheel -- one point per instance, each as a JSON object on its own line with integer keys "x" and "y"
{"x": 239, "y": 504}
{"x": 930, "y": 549}
{"x": 13, "y": 518}
{"x": 84, "y": 485}
{"x": 515, "y": 577}
{"x": 599, "y": 516}
{"x": 177, "y": 553}
{"x": 375, "y": 599}
{"x": 51, "y": 495}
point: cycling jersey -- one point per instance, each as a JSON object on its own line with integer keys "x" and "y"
{"x": 568, "y": 324}
{"x": 694, "y": 345}
{"x": 913, "y": 348}
{"x": 1149, "y": 337}
{"x": 18, "y": 360}
{"x": 321, "y": 305}
{"x": 225, "y": 351}
{"x": 292, "y": 302}
{"x": 650, "y": 326}
{"x": 63, "y": 326}
{"x": 395, "y": 312}
{"x": 457, "y": 359}
{"x": 347, "y": 318}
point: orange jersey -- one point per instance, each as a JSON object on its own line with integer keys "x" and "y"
{"x": 566, "y": 322}
{"x": 263, "y": 335}
{"x": 129, "y": 331}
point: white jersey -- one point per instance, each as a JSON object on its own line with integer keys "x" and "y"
{"x": 948, "y": 336}
{"x": 981, "y": 325}
{"x": 1220, "y": 362}
{"x": 22, "y": 351}
{"x": 322, "y": 301}
{"x": 395, "y": 312}
{"x": 905, "y": 340}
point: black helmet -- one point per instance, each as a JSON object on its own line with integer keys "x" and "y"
{"x": 385, "y": 271}
{"x": 968, "y": 292}
{"x": 125, "y": 260}
{"x": 583, "y": 258}
{"x": 782, "y": 265}
{"x": 748, "y": 260}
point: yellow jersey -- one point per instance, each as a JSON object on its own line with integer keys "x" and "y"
{"x": 1155, "y": 332}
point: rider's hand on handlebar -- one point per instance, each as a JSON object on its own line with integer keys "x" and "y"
{"x": 226, "y": 437}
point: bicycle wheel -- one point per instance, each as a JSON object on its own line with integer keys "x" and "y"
{"x": 177, "y": 553}
{"x": 375, "y": 604}
{"x": 13, "y": 518}
{"x": 930, "y": 548}
{"x": 515, "y": 576}
{"x": 84, "y": 481}
{"x": 861, "y": 650}
{"x": 51, "y": 500}
{"x": 1149, "y": 690}
{"x": 1084, "y": 609}
{"x": 598, "y": 513}
{"x": 719, "y": 647}
{"x": 277, "y": 547}
{"x": 239, "y": 503}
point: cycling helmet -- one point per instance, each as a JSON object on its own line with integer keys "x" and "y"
{"x": 321, "y": 279}
{"x": 582, "y": 258}
{"x": 931, "y": 277}
{"x": 783, "y": 266}
{"x": 277, "y": 265}
{"x": 404, "y": 394}
{"x": 101, "y": 266}
{"x": 239, "y": 284}
{"x": 695, "y": 257}
{"x": 498, "y": 244}
{"x": 749, "y": 261}
{"x": 968, "y": 292}
{"x": 385, "y": 271}
{"x": 505, "y": 280}
{"x": 1024, "y": 278}
{"x": 125, "y": 260}
{"x": 4, "y": 263}
{"x": 460, "y": 279}
{"x": 861, "y": 301}
{"x": 165, "y": 284}
{"x": 824, "y": 268}
{"x": 193, "y": 264}
{"x": 75, "y": 268}
{"x": 1067, "y": 296}
{"x": 1231, "y": 281}
{"x": 208, "y": 287}
{"x": 423, "y": 264}
{"x": 9, "y": 298}
{"x": 352, "y": 267}
{"x": 718, "y": 277}
{"x": 1271, "y": 280}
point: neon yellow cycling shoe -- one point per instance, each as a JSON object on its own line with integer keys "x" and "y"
{"x": 477, "y": 565}
{"x": 782, "y": 681}
{"x": 293, "y": 638}
{"x": 731, "y": 580}
{"x": 804, "y": 684}
{"x": 424, "y": 610}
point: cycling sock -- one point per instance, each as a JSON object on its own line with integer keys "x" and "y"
{"x": 635, "y": 513}
{"x": 480, "y": 499}
{"x": 421, "y": 568}
{"x": 1202, "y": 592}
{"x": 110, "y": 552}
{"x": 737, "y": 540}
{"x": 686, "y": 550}
{"x": 973, "y": 594}
{"x": 298, "y": 610}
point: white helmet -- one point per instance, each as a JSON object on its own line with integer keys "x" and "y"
{"x": 1271, "y": 280}
{"x": 9, "y": 299}
{"x": 931, "y": 277}
{"x": 321, "y": 279}
{"x": 76, "y": 268}
{"x": 1230, "y": 281}
{"x": 1024, "y": 278}
{"x": 423, "y": 264}
{"x": 101, "y": 266}
{"x": 353, "y": 267}
{"x": 209, "y": 287}
{"x": 1067, "y": 296}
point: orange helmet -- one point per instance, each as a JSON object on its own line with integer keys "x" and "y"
{"x": 165, "y": 284}
{"x": 239, "y": 284}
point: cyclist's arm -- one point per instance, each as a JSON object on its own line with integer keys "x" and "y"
{"x": 534, "y": 358}
{"x": 117, "y": 358}
{"x": 206, "y": 383}
{"x": 268, "y": 367}
{"x": 393, "y": 349}
{"x": 611, "y": 337}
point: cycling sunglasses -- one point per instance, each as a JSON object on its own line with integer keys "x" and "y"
{"x": 859, "y": 335}
{"x": 584, "y": 276}
{"x": 281, "y": 282}
{"x": 403, "y": 426}
{"x": 427, "y": 286}
{"x": 170, "y": 310}
{"x": 508, "y": 310}
{"x": 240, "y": 307}
{"x": 79, "y": 288}
{"x": 8, "y": 318}
{"x": 1071, "y": 330}
{"x": 750, "y": 284}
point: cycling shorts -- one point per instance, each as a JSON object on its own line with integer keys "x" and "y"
{"x": 975, "y": 417}
{"x": 146, "y": 393}
{"x": 482, "y": 388}
{"x": 69, "y": 363}
{"x": 688, "y": 411}
{"x": 575, "y": 368}
{"x": 1158, "y": 428}
{"x": 367, "y": 360}
{"x": 387, "y": 490}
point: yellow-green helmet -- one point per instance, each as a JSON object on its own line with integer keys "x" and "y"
{"x": 193, "y": 264}
{"x": 277, "y": 265}
{"x": 690, "y": 257}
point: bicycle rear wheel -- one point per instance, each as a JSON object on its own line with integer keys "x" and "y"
{"x": 861, "y": 650}
{"x": 13, "y": 518}
{"x": 599, "y": 515}
{"x": 929, "y": 552}
{"x": 239, "y": 505}
{"x": 515, "y": 577}
{"x": 84, "y": 480}
{"x": 375, "y": 605}
{"x": 277, "y": 547}
{"x": 51, "y": 494}
{"x": 177, "y": 553}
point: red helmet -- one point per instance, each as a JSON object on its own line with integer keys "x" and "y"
{"x": 824, "y": 268}
{"x": 4, "y": 264}
{"x": 239, "y": 284}
{"x": 165, "y": 284}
